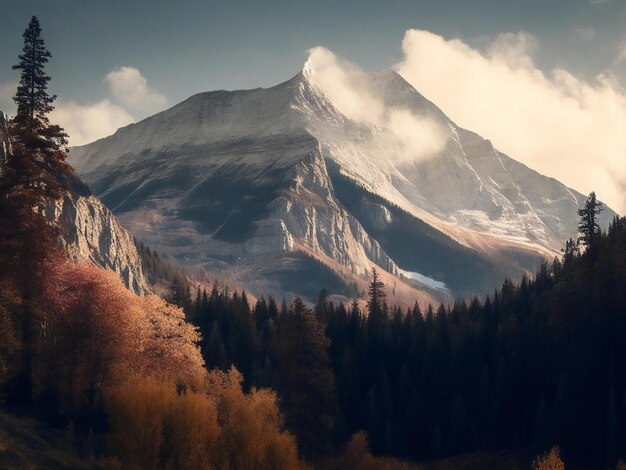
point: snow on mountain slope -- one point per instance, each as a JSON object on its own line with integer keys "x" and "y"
{"x": 466, "y": 184}
{"x": 253, "y": 178}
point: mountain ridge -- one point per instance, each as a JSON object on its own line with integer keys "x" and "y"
{"x": 239, "y": 176}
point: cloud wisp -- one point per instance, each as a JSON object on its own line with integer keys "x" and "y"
{"x": 130, "y": 88}
{"x": 85, "y": 123}
{"x": 349, "y": 89}
{"x": 554, "y": 122}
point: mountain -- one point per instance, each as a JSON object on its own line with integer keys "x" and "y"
{"x": 89, "y": 230}
{"x": 282, "y": 190}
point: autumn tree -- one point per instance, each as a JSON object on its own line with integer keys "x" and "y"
{"x": 98, "y": 334}
{"x": 549, "y": 461}
{"x": 252, "y": 428}
{"x": 153, "y": 426}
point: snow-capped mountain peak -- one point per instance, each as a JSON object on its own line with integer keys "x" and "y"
{"x": 310, "y": 166}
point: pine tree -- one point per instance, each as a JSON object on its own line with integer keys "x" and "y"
{"x": 304, "y": 379}
{"x": 35, "y": 172}
{"x": 588, "y": 226}
{"x": 376, "y": 307}
{"x": 32, "y": 98}
{"x": 215, "y": 354}
{"x": 321, "y": 307}
{"x": 377, "y": 295}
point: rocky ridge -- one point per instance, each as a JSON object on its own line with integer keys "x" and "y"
{"x": 89, "y": 230}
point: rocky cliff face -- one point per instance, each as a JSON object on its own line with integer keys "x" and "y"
{"x": 314, "y": 217}
{"x": 89, "y": 231}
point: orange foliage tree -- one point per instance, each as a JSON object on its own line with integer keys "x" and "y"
{"x": 154, "y": 426}
{"x": 93, "y": 333}
{"x": 549, "y": 461}
{"x": 138, "y": 359}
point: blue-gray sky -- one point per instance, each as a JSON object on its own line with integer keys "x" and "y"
{"x": 115, "y": 61}
{"x": 186, "y": 46}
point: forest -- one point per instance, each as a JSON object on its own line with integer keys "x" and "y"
{"x": 534, "y": 365}
{"x": 205, "y": 379}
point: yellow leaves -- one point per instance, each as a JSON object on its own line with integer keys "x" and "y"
{"x": 170, "y": 343}
{"x": 156, "y": 427}
{"x": 136, "y": 414}
{"x": 251, "y": 426}
{"x": 96, "y": 339}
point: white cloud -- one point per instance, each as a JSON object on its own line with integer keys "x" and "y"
{"x": 514, "y": 49}
{"x": 347, "y": 87}
{"x": 130, "y": 88}
{"x": 85, "y": 123}
{"x": 556, "y": 123}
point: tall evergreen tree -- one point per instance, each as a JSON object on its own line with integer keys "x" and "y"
{"x": 33, "y": 174}
{"x": 377, "y": 296}
{"x": 376, "y": 307}
{"x": 588, "y": 226}
{"x": 32, "y": 98}
{"x": 304, "y": 379}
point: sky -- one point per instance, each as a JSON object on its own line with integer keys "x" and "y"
{"x": 543, "y": 79}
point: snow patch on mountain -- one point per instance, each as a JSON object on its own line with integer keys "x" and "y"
{"x": 427, "y": 281}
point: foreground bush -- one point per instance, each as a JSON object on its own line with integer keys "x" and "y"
{"x": 153, "y": 426}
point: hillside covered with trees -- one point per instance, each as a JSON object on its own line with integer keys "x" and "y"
{"x": 534, "y": 365}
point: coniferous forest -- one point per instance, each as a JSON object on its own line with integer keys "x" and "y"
{"x": 208, "y": 379}
{"x": 534, "y": 365}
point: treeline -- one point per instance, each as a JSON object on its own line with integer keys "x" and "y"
{"x": 159, "y": 270}
{"x": 537, "y": 364}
